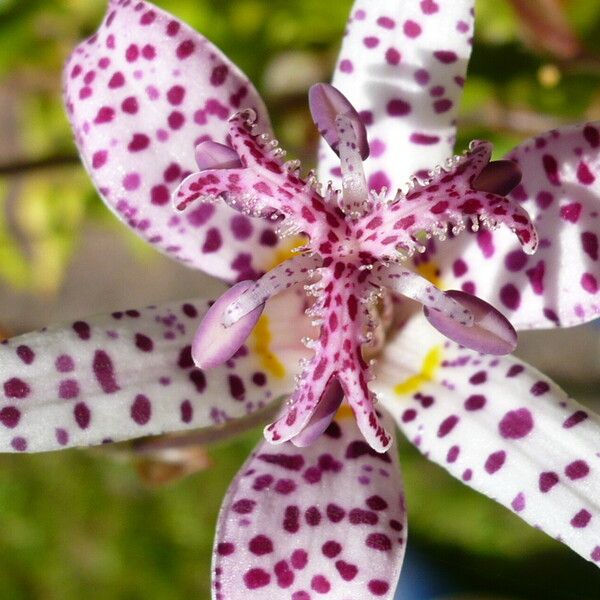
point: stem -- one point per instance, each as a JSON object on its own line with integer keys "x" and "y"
{"x": 18, "y": 167}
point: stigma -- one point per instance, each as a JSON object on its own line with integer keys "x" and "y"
{"x": 359, "y": 249}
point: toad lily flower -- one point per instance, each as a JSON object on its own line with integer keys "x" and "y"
{"x": 318, "y": 509}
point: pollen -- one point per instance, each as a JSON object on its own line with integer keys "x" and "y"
{"x": 429, "y": 369}
{"x": 261, "y": 344}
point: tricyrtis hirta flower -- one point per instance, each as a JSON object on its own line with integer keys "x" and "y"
{"x": 159, "y": 112}
{"x": 357, "y": 242}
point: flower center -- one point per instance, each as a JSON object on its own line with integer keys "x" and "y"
{"x": 359, "y": 250}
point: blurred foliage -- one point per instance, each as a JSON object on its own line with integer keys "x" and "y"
{"x": 511, "y": 93}
{"x": 78, "y": 526}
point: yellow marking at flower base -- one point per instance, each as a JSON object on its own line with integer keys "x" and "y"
{"x": 286, "y": 251}
{"x": 431, "y": 272}
{"x": 261, "y": 342}
{"x": 344, "y": 412}
{"x": 431, "y": 364}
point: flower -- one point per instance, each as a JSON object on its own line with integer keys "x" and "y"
{"x": 148, "y": 99}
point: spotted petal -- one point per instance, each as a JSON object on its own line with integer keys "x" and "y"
{"x": 328, "y": 520}
{"x": 501, "y": 427}
{"x": 559, "y": 284}
{"x": 131, "y": 374}
{"x": 402, "y": 65}
{"x": 141, "y": 94}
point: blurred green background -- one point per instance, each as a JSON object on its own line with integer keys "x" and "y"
{"x": 88, "y": 524}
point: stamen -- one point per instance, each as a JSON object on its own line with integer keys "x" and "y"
{"x": 282, "y": 277}
{"x": 326, "y": 104}
{"x": 328, "y": 405}
{"x": 498, "y": 177}
{"x": 214, "y": 343}
{"x": 491, "y": 332}
{"x": 403, "y": 281}
{"x": 211, "y": 155}
{"x": 355, "y": 200}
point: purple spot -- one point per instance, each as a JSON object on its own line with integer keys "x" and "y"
{"x": 141, "y": 409}
{"x": 241, "y": 227}
{"x": 398, "y": 107}
{"x": 16, "y": 388}
{"x": 578, "y": 469}
{"x": 212, "y": 241}
{"x": 574, "y": 419}
{"x": 392, "y": 56}
{"x": 19, "y": 444}
{"x": 386, "y": 22}
{"x": 201, "y": 215}
{"x": 379, "y": 541}
{"x": 359, "y": 448}
{"x": 589, "y": 283}
{"x": 447, "y": 425}
{"x": 143, "y": 342}
{"x": 581, "y": 519}
{"x": 547, "y": 481}
{"x": 475, "y": 402}
{"x": 218, "y": 75}
{"x": 446, "y": 56}
{"x": 291, "y": 462}
{"x": 312, "y": 515}
{"x": 453, "y": 453}
{"x": 260, "y": 545}
{"x": 237, "y": 389}
{"x": 516, "y": 424}
{"x": 510, "y": 296}
{"x": 82, "y": 329}
{"x": 346, "y": 570}
{"x": 225, "y": 548}
{"x": 189, "y": 310}
{"x": 335, "y": 513}
{"x": 589, "y": 241}
{"x": 412, "y": 29}
{"x": 378, "y": 181}
{"x": 185, "y": 48}
{"x": 539, "y": 388}
{"x": 478, "y": 378}
{"x": 131, "y": 182}
{"x": 198, "y": 378}
{"x": 138, "y": 142}
{"x": 104, "y": 371}
{"x": 346, "y": 66}
{"x": 378, "y": 587}
{"x": 10, "y": 416}
{"x": 443, "y": 105}
{"x": 256, "y": 578}
{"x": 291, "y": 519}
{"x": 64, "y": 363}
{"x": 68, "y": 389}
{"x": 515, "y": 370}
{"x": 495, "y": 461}
{"x": 187, "y": 412}
{"x": 515, "y": 260}
{"x": 424, "y": 139}
{"x": 518, "y": 503}
{"x": 26, "y": 354}
{"x": 551, "y": 168}
{"x": 244, "y": 506}
{"x": 592, "y": 136}
{"x": 62, "y": 436}
{"x": 82, "y": 415}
